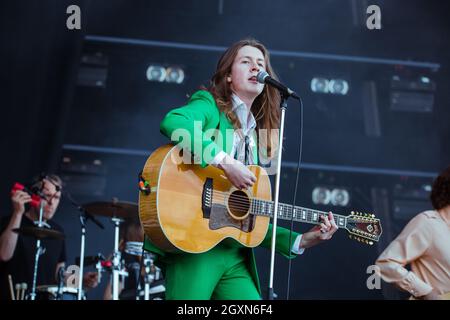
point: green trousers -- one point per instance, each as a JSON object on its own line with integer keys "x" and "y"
{"x": 220, "y": 274}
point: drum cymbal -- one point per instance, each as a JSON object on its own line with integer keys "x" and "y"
{"x": 123, "y": 209}
{"x": 40, "y": 233}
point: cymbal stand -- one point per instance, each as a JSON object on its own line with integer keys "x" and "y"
{"x": 117, "y": 263}
{"x": 148, "y": 279}
{"x": 84, "y": 216}
{"x": 39, "y": 251}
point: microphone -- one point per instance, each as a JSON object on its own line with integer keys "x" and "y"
{"x": 263, "y": 77}
{"x": 83, "y": 210}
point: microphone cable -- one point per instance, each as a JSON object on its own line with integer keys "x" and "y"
{"x": 299, "y": 160}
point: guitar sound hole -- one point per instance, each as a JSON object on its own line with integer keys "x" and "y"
{"x": 239, "y": 204}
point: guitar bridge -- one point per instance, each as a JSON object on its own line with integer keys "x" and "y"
{"x": 207, "y": 195}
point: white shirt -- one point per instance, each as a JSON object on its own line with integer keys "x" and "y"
{"x": 248, "y": 125}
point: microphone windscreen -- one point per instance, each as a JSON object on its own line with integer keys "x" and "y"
{"x": 261, "y": 76}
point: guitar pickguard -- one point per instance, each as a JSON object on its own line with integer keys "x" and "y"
{"x": 220, "y": 218}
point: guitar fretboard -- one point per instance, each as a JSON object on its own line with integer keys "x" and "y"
{"x": 288, "y": 212}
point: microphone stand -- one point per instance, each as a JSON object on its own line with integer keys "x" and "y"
{"x": 39, "y": 250}
{"x": 148, "y": 279}
{"x": 59, "y": 294}
{"x": 283, "y": 106}
{"x": 84, "y": 216}
{"x": 117, "y": 261}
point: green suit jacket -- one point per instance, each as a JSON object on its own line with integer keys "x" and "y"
{"x": 201, "y": 115}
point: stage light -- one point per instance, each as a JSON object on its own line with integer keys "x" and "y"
{"x": 425, "y": 79}
{"x": 174, "y": 75}
{"x": 156, "y": 73}
{"x": 321, "y": 195}
{"x": 340, "y": 197}
{"x": 338, "y": 86}
{"x": 333, "y": 86}
{"x": 320, "y": 85}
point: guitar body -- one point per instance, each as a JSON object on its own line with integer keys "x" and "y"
{"x": 174, "y": 216}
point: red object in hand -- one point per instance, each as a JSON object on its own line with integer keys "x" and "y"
{"x": 106, "y": 264}
{"x": 35, "y": 199}
{"x": 17, "y": 186}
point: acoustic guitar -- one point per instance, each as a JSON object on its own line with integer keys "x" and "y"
{"x": 184, "y": 207}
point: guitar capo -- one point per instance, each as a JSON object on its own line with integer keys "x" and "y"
{"x": 144, "y": 186}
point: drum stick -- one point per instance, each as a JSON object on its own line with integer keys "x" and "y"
{"x": 24, "y": 288}
{"x": 18, "y": 291}
{"x": 11, "y": 290}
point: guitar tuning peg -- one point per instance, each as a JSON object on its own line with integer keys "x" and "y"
{"x": 373, "y": 216}
{"x": 370, "y": 243}
{"x": 352, "y": 212}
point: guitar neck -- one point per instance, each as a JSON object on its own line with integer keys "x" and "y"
{"x": 288, "y": 212}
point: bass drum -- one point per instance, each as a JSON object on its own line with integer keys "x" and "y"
{"x": 51, "y": 292}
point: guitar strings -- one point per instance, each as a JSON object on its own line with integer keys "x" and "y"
{"x": 245, "y": 202}
{"x": 221, "y": 195}
{"x": 246, "y": 207}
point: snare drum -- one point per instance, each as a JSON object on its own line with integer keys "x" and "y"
{"x": 51, "y": 293}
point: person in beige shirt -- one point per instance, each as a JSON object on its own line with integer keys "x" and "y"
{"x": 424, "y": 244}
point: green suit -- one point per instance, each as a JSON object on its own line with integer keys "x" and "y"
{"x": 227, "y": 271}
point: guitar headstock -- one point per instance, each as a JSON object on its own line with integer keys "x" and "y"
{"x": 363, "y": 227}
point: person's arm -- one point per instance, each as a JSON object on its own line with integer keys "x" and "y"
{"x": 282, "y": 245}
{"x": 107, "y": 294}
{"x": 186, "y": 126}
{"x": 59, "y": 265}
{"x": 296, "y": 247}
{"x": 299, "y": 242}
{"x": 320, "y": 233}
{"x": 8, "y": 238}
{"x": 238, "y": 174}
{"x": 410, "y": 245}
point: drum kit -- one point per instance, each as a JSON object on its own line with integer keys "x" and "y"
{"x": 118, "y": 212}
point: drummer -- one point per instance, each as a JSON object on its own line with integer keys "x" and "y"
{"x": 130, "y": 246}
{"x": 17, "y": 252}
